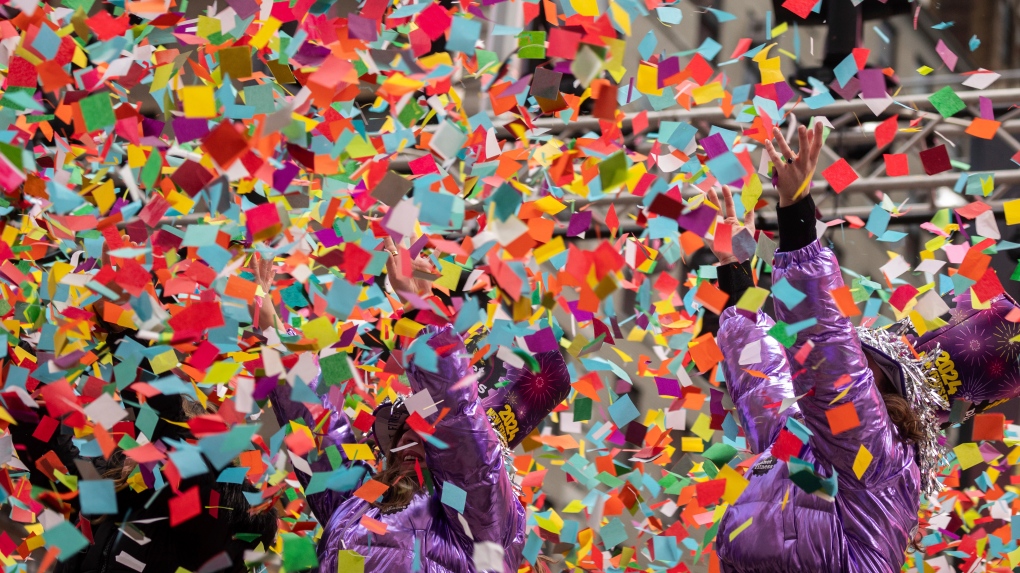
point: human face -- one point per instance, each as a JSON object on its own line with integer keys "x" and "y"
{"x": 882, "y": 382}
{"x": 407, "y": 457}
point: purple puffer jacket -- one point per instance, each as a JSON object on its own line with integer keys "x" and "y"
{"x": 867, "y": 528}
{"x": 428, "y": 536}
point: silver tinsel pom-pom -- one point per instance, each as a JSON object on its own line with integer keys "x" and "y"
{"x": 920, "y": 390}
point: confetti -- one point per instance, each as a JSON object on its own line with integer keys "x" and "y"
{"x": 510, "y": 171}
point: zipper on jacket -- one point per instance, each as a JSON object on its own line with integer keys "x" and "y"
{"x": 106, "y": 552}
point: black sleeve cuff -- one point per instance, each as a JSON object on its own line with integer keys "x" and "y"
{"x": 734, "y": 279}
{"x": 797, "y": 225}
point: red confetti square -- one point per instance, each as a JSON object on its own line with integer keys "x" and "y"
{"x": 7, "y": 545}
{"x": 185, "y": 506}
{"x": 710, "y": 492}
{"x": 364, "y": 421}
{"x": 885, "y": 133}
{"x": 786, "y": 445}
{"x": 801, "y": 8}
{"x": 902, "y": 296}
{"x": 21, "y": 73}
{"x": 840, "y": 175}
{"x": 896, "y": 164}
{"x": 988, "y": 427}
{"x": 434, "y": 21}
{"x": 44, "y": 431}
{"x": 988, "y": 287}
{"x": 563, "y": 44}
{"x": 842, "y": 418}
{"x": 935, "y": 160}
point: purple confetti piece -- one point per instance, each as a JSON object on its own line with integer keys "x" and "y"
{"x": 579, "y": 223}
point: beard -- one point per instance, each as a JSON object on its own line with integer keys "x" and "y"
{"x": 403, "y": 486}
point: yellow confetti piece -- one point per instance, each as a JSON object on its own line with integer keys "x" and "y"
{"x": 407, "y": 327}
{"x": 862, "y": 461}
{"x": 621, "y": 16}
{"x": 1014, "y": 558}
{"x": 751, "y": 192}
{"x": 268, "y": 30}
{"x": 322, "y": 331}
{"x": 771, "y": 71}
{"x": 688, "y": 444}
{"x": 549, "y": 205}
{"x": 164, "y": 361}
{"x": 753, "y": 299}
{"x": 552, "y": 524}
{"x": 648, "y": 80}
{"x": 735, "y": 484}
{"x": 969, "y": 455}
{"x": 840, "y": 396}
{"x": 358, "y": 452}
{"x": 221, "y": 372}
{"x": 585, "y": 7}
{"x": 451, "y": 272}
{"x": 6, "y": 416}
{"x": 105, "y": 195}
{"x": 702, "y": 427}
{"x": 739, "y": 530}
{"x": 1013, "y": 457}
{"x": 575, "y": 506}
{"x": 549, "y": 250}
{"x": 707, "y": 93}
{"x": 1012, "y": 209}
{"x": 199, "y": 101}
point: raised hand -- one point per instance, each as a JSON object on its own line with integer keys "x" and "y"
{"x": 729, "y": 213}
{"x": 398, "y": 281}
{"x": 265, "y": 276}
{"x": 794, "y": 174}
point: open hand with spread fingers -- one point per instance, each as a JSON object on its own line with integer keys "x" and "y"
{"x": 794, "y": 170}
{"x": 398, "y": 281}
{"x": 265, "y": 276}
{"x": 729, "y": 213}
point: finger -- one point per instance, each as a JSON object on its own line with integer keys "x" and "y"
{"x": 784, "y": 147}
{"x": 731, "y": 209}
{"x": 773, "y": 156}
{"x": 714, "y": 198}
{"x": 806, "y": 147}
{"x": 422, "y": 265}
{"x": 817, "y": 142}
{"x": 749, "y": 218}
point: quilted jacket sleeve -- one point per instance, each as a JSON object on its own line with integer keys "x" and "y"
{"x": 836, "y": 369}
{"x": 335, "y": 432}
{"x": 758, "y": 400}
{"x": 471, "y": 459}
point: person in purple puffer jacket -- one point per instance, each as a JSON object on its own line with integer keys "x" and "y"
{"x": 422, "y": 533}
{"x": 468, "y": 451}
{"x": 850, "y": 523}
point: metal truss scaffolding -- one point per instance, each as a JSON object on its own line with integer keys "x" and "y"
{"x": 853, "y": 127}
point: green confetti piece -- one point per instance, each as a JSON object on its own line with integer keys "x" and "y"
{"x": 780, "y": 333}
{"x": 582, "y": 407}
{"x": 298, "y": 552}
{"x": 97, "y": 112}
{"x": 947, "y": 102}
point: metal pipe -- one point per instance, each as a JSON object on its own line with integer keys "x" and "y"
{"x": 904, "y": 183}
{"x": 854, "y": 138}
{"x": 857, "y": 106}
{"x": 768, "y": 222}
